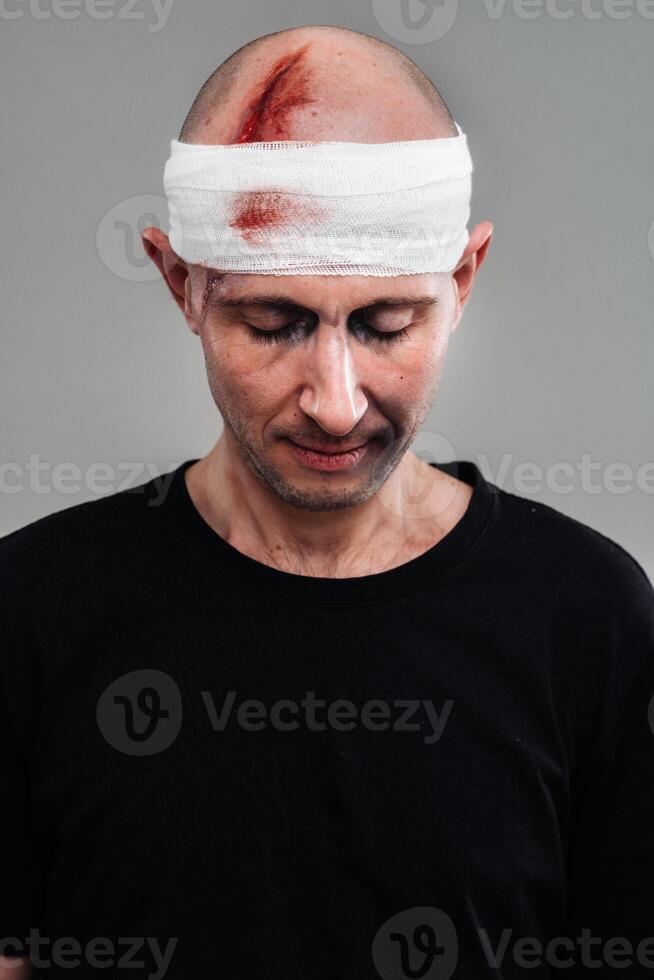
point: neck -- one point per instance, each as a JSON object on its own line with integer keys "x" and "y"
{"x": 415, "y": 507}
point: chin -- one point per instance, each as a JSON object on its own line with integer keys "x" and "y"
{"x": 324, "y": 502}
{"x": 303, "y": 492}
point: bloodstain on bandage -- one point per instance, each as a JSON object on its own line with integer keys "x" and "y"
{"x": 257, "y": 212}
{"x": 286, "y": 87}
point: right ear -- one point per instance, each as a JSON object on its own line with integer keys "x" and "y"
{"x": 173, "y": 269}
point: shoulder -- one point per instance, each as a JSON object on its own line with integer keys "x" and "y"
{"x": 530, "y": 546}
{"x": 577, "y": 595}
{"x": 576, "y": 562}
{"x": 77, "y": 541}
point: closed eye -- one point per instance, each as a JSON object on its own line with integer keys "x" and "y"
{"x": 293, "y": 332}
{"x": 368, "y": 334}
{"x": 289, "y": 334}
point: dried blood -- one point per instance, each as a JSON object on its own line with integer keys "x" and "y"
{"x": 257, "y": 212}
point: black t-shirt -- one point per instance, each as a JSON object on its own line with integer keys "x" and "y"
{"x": 213, "y": 768}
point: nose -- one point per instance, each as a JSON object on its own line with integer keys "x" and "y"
{"x": 331, "y": 394}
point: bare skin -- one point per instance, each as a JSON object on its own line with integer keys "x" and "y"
{"x": 15, "y": 968}
{"x": 331, "y": 383}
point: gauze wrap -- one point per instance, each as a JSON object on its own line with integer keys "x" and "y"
{"x": 321, "y": 208}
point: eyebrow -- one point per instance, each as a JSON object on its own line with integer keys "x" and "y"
{"x": 276, "y": 300}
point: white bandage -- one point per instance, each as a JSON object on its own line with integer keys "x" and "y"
{"x": 321, "y": 208}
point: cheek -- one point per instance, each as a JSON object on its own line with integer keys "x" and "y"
{"x": 256, "y": 380}
{"x": 250, "y": 376}
{"x": 406, "y": 379}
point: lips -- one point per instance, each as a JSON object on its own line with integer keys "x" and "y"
{"x": 328, "y": 451}
{"x": 332, "y": 462}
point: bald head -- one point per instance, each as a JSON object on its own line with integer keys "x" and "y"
{"x": 317, "y": 83}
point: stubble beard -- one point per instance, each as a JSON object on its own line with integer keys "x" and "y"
{"x": 389, "y": 452}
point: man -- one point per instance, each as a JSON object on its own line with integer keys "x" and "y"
{"x": 313, "y": 708}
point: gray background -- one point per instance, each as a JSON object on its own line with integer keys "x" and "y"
{"x": 553, "y": 358}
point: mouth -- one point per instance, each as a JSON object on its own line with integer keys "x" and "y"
{"x": 329, "y": 460}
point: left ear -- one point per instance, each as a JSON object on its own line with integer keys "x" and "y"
{"x": 469, "y": 263}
